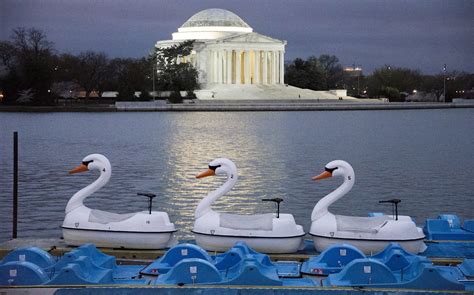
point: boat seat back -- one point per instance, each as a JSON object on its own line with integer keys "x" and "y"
{"x": 90, "y": 251}
{"x": 453, "y": 220}
{"x": 395, "y": 257}
{"x": 414, "y": 269}
{"x": 340, "y": 255}
{"x": 435, "y": 226}
{"x": 361, "y": 224}
{"x": 237, "y": 253}
{"x": 435, "y": 278}
{"x": 173, "y": 256}
{"x": 362, "y": 272}
{"x": 331, "y": 260}
{"x": 30, "y": 254}
{"x": 82, "y": 272}
{"x": 104, "y": 217}
{"x": 251, "y": 272}
{"x": 247, "y": 222}
{"x": 229, "y": 258}
{"x": 191, "y": 271}
{"x": 16, "y": 273}
{"x": 97, "y": 257}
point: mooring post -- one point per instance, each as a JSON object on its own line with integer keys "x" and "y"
{"x": 15, "y": 184}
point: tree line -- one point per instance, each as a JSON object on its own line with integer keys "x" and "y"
{"x": 395, "y": 83}
{"x": 32, "y": 72}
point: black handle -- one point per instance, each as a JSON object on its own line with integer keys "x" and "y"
{"x": 394, "y": 203}
{"x": 277, "y": 201}
{"x": 150, "y": 197}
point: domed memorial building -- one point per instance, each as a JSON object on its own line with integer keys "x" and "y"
{"x": 234, "y": 62}
{"x": 228, "y": 51}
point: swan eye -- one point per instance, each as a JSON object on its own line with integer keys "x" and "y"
{"x": 330, "y": 170}
{"x": 213, "y": 168}
{"x": 86, "y": 163}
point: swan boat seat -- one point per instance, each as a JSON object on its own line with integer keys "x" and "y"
{"x": 104, "y": 217}
{"x": 252, "y": 222}
{"x": 361, "y": 224}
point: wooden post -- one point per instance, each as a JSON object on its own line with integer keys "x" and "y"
{"x": 15, "y": 184}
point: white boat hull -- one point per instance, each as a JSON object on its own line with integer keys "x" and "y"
{"x": 368, "y": 246}
{"x": 260, "y": 244}
{"x": 114, "y": 239}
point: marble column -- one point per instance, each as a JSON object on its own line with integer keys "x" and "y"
{"x": 210, "y": 67}
{"x": 215, "y": 64}
{"x": 256, "y": 73}
{"x": 219, "y": 66}
{"x": 274, "y": 67}
{"x": 223, "y": 65}
{"x": 229, "y": 67}
{"x": 238, "y": 63}
{"x": 282, "y": 67}
{"x": 247, "y": 67}
{"x": 265, "y": 67}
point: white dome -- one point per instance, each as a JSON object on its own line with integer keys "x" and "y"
{"x": 211, "y": 24}
{"x": 215, "y": 17}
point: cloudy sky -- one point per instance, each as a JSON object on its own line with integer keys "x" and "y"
{"x": 417, "y": 34}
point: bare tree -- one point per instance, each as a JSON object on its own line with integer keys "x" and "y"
{"x": 7, "y": 55}
{"x": 92, "y": 74}
{"x": 31, "y": 41}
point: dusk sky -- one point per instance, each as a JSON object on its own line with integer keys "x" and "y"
{"x": 416, "y": 34}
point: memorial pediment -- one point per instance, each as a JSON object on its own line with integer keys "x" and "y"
{"x": 250, "y": 38}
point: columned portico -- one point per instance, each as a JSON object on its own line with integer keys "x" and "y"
{"x": 228, "y": 66}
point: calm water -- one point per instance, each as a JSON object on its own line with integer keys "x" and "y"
{"x": 424, "y": 157}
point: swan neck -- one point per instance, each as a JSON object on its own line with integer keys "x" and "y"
{"x": 322, "y": 206}
{"x": 78, "y": 198}
{"x": 204, "y": 206}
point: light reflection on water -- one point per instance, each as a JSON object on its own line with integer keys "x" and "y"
{"x": 423, "y": 157}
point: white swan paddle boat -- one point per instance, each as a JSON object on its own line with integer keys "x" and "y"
{"x": 138, "y": 230}
{"x": 369, "y": 234}
{"x": 269, "y": 233}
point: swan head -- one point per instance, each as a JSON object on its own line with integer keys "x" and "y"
{"x": 336, "y": 168}
{"x": 93, "y": 162}
{"x": 221, "y": 166}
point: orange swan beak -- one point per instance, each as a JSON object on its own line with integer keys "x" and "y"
{"x": 208, "y": 172}
{"x": 78, "y": 169}
{"x": 323, "y": 175}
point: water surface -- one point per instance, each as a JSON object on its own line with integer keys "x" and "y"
{"x": 424, "y": 157}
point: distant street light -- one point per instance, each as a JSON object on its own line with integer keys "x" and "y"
{"x": 444, "y": 83}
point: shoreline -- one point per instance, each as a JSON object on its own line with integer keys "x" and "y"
{"x": 236, "y": 106}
